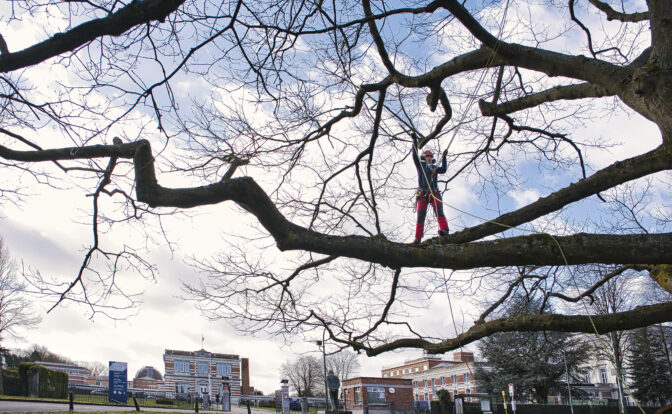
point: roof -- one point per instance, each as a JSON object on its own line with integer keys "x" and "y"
{"x": 61, "y": 365}
{"x": 199, "y": 353}
{"x": 148, "y": 372}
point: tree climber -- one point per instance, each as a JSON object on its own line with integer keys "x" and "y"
{"x": 428, "y": 190}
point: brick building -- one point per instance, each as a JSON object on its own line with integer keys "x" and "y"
{"x": 148, "y": 378}
{"x": 431, "y": 374}
{"x": 202, "y": 372}
{"x": 378, "y": 395}
{"x": 411, "y": 367}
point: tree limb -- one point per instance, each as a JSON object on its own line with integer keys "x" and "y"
{"x": 538, "y": 249}
{"x": 600, "y": 324}
{"x": 137, "y": 12}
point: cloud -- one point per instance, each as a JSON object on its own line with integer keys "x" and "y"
{"x": 524, "y": 197}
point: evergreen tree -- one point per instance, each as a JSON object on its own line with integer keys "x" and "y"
{"x": 533, "y": 361}
{"x": 649, "y": 372}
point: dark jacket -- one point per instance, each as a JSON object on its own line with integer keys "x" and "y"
{"x": 425, "y": 173}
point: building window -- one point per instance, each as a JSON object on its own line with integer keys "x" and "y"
{"x": 426, "y": 397}
{"x": 415, "y": 369}
{"x": 375, "y": 395}
{"x": 181, "y": 366}
{"x": 443, "y": 380}
{"x": 466, "y": 378}
{"x": 223, "y": 369}
{"x": 181, "y": 387}
{"x": 603, "y": 375}
{"x": 453, "y": 379}
{"x": 203, "y": 368}
{"x": 424, "y": 367}
{"x": 358, "y": 395}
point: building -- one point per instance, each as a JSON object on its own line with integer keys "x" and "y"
{"x": 98, "y": 380}
{"x": 201, "y": 372}
{"x": 76, "y": 375}
{"x": 410, "y": 367}
{"x": 148, "y": 378}
{"x": 430, "y": 374}
{"x": 377, "y": 395}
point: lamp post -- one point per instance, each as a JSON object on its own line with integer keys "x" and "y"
{"x": 569, "y": 387}
{"x": 324, "y": 364}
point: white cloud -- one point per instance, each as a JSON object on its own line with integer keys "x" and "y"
{"x": 524, "y": 197}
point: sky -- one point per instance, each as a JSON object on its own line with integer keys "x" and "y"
{"x": 40, "y": 235}
{"x": 48, "y": 232}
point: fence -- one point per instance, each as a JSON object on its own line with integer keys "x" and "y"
{"x": 93, "y": 394}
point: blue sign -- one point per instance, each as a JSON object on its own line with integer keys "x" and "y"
{"x": 118, "y": 382}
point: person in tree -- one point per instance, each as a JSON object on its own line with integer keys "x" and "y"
{"x": 428, "y": 190}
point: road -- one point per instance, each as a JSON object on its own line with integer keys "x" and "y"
{"x": 10, "y": 406}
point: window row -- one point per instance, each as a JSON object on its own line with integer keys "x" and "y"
{"x": 405, "y": 371}
{"x": 435, "y": 382}
{"x": 182, "y": 366}
{"x": 436, "y": 397}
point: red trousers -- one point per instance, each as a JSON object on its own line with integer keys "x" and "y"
{"x": 424, "y": 199}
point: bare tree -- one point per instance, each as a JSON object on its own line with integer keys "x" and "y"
{"x": 96, "y": 368}
{"x": 344, "y": 364}
{"x": 16, "y": 311}
{"x": 307, "y": 130}
{"x": 305, "y": 375}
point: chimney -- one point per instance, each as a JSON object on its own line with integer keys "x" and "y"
{"x": 463, "y": 356}
{"x": 245, "y": 376}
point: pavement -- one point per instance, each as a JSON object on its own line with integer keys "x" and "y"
{"x": 12, "y": 406}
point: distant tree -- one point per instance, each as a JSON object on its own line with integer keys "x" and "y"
{"x": 649, "y": 372}
{"x": 344, "y": 364}
{"x": 95, "y": 367}
{"x": 617, "y": 293}
{"x": 665, "y": 334}
{"x": 15, "y": 309}
{"x": 42, "y": 353}
{"x": 533, "y": 361}
{"x": 13, "y": 357}
{"x": 305, "y": 375}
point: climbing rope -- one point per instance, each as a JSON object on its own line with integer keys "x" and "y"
{"x": 470, "y": 102}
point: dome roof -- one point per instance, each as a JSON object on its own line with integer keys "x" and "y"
{"x": 148, "y": 373}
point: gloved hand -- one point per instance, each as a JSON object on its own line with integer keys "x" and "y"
{"x": 444, "y": 153}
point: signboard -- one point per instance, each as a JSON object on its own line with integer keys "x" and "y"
{"x": 511, "y": 390}
{"x": 118, "y": 382}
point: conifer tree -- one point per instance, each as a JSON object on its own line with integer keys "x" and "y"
{"x": 533, "y": 361}
{"x": 649, "y": 372}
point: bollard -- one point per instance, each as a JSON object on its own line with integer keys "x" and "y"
{"x": 72, "y": 401}
{"x": 137, "y": 407}
{"x": 196, "y": 404}
{"x": 249, "y": 411}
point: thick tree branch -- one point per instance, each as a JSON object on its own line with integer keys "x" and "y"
{"x": 568, "y": 92}
{"x": 620, "y": 172}
{"x": 538, "y": 249}
{"x": 616, "y": 15}
{"x": 640, "y": 316}
{"x": 595, "y": 71}
{"x": 137, "y": 12}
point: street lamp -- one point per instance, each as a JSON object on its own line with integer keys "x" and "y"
{"x": 569, "y": 387}
{"x": 324, "y": 363}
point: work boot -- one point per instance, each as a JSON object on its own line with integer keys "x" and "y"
{"x": 444, "y": 232}
{"x": 416, "y": 241}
